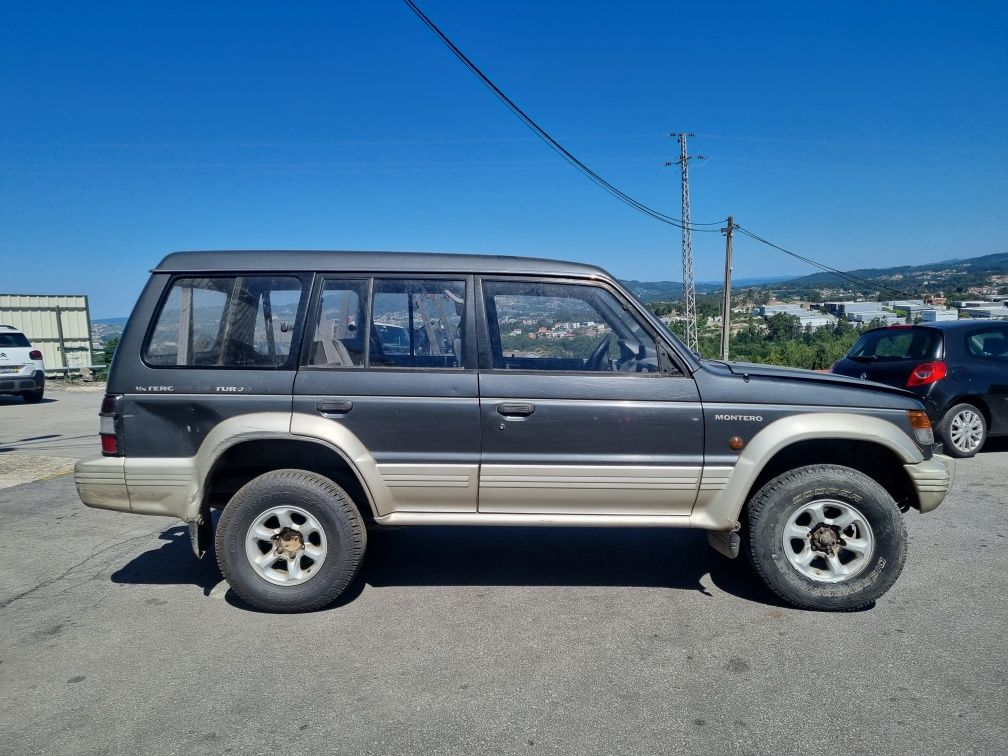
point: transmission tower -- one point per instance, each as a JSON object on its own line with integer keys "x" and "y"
{"x": 688, "y": 284}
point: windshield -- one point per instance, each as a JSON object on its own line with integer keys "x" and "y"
{"x": 890, "y": 344}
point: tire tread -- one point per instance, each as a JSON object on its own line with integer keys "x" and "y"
{"x": 335, "y": 495}
{"x": 767, "y": 495}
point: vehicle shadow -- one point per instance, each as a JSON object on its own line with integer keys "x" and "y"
{"x": 995, "y": 444}
{"x": 15, "y": 399}
{"x": 494, "y": 556}
{"x": 173, "y": 563}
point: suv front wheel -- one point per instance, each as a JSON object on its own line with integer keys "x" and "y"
{"x": 290, "y": 541}
{"x": 826, "y": 537}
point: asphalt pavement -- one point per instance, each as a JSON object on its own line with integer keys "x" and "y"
{"x": 115, "y": 639}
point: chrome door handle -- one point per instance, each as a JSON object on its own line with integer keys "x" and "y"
{"x": 515, "y": 409}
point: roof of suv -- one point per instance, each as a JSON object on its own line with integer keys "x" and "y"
{"x": 376, "y": 262}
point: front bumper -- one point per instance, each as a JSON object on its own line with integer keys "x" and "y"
{"x": 932, "y": 480}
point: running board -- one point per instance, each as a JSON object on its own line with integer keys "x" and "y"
{"x": 535, "y": 520}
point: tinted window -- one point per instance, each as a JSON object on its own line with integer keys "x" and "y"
{"x": 235, "y": 322}
{"x": 889, "y": 344}
{"x": 564, "y": 327}
{"x": 338, "y": 339}
{"x": 418, "y": 323}
{"x": 990, "y": 343}
{"x": 13, "y": 340}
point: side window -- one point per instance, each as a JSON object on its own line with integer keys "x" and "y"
{"x": 233, "y": 322}
{"x": 564, "y": 327}
{"x": 989, "y": 344}
{"x": 338, "y": 339}
{"x": 418, "y": 323}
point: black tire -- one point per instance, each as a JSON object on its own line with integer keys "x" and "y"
{"x": 33, "y": 397}
{"x": 332, "y": 508}
{"x": 784, "y": 496}
{"x": 945, "y": 430}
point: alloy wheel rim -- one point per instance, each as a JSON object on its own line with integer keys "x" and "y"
{"x": 286, "y": 545}
{"x": 966, "y": 430}
{"x": 828, "y": 541}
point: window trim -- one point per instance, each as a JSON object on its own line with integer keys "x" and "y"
{"x": 290, "y": 364}
{"x": 666, "y": 352}
{"x": 469, "y": 344}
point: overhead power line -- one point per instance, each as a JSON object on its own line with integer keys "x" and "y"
{"x": 543, "y": 135}
{"x": 848, "y": 277}
{"x": 610, "y": 188}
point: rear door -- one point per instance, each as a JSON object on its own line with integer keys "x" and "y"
{"x": 582, "y": 410}
{"x": 986, "y": 350}
{"x": 392, "y": 360}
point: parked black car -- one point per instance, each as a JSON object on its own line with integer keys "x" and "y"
{"x": 959, "y": 368}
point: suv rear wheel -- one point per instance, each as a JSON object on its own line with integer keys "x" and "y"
{"x": 826, "y": 537}
{"x": 290, "y": 541}
{"x": 963, "y": 430}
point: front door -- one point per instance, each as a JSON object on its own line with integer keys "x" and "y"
{"x": 581, "y": 411}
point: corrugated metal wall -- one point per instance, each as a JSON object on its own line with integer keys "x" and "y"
{"x": 42, "y": 317}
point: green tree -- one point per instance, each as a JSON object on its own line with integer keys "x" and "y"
{"x": 108, "y": 351}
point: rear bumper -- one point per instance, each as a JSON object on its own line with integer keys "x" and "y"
{"x": 165, "y": 487}
{"x": 15, "y": 383}
{"x": 101, "y": 483}
{"x": 932, "y": 480}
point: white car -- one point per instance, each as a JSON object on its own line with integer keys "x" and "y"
{"x": 21, "y": 368}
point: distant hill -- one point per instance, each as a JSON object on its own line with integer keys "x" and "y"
{"x": 111, "y": 321}
{"x": 946, "y": 274}
{"x": 663, "y": 291}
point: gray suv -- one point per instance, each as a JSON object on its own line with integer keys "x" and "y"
{"x": 309, "y": 396}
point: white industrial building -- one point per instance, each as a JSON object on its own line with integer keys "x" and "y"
{"x": 807, "y": 318}
{"x": 883, "y": 316}
{"x": 990, "y": 310}
{"x": 937, "y": 314}
{"x": 58, "y": 325}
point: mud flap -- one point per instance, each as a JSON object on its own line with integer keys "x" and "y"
{"x": 725, "y": 542}
{"x": 200, "y": 535}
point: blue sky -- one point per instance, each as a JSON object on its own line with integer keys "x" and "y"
{"x": 859, "y": 133}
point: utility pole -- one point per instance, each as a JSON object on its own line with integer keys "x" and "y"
{"x": 726, "y": 305}
{"x": 689, "y": 285}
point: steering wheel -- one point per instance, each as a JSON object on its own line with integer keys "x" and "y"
{"x": 599, "y": 354}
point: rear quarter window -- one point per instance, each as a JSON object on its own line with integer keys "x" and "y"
{"x": 226, "y": 321}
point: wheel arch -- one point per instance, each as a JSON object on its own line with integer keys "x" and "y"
{"x": 871, "y": 445}
{"x": 975, "y": 399}
{"x": 248, "y": 458}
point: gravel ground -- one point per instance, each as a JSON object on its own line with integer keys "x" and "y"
{"x": 479, "y": 640}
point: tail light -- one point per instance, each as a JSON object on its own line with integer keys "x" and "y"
{"x": 34, "y": 354}
{"x": 926, "y": 373}
{"x": 109, "y": 426}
